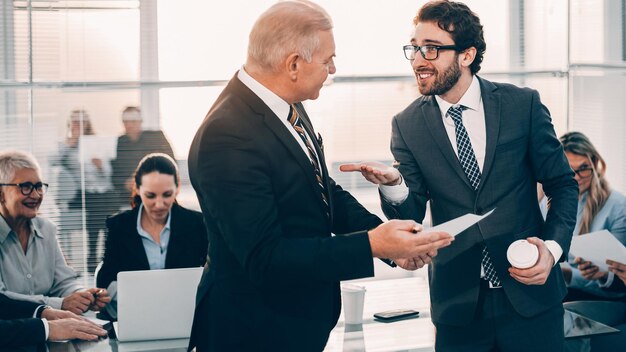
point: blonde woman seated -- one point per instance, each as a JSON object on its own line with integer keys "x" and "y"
{"x": 32, "y": 267}
{"x": 157, "y": 233}
{"x": 599, "y": 208}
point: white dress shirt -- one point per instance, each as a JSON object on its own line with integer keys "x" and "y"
{"x": 278, "y": 107}
{"x": 474, "y": 121}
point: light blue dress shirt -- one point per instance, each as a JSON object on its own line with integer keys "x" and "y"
{"x": 41, "y": 274}
{"x": 155, "y": 252}
{"x": 611, "y": 217}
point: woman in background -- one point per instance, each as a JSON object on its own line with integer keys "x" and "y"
{"x": 156, "y": 233}
{"x": 93, "y": 179}
{"x": 599, "y": 208}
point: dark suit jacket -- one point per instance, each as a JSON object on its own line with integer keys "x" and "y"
{"x": 124, "y": 250}
{"x": 129, "y": 153}
{"x": 521, "y": 150}
{"x": 272, "y": 279}
{"x": 19, "y": 328}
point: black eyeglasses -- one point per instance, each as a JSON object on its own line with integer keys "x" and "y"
{"x": 429, "y": 52}
{"x": 583, "y": 171}
{"x": 27, "y": 188}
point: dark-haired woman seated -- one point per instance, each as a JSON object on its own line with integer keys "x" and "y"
{"x": 156, "y": 233}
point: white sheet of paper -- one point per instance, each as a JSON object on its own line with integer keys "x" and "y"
{"x": 100, "y": 147}
{"x": 460, "y": 224}
{"x": 597, "y": 247}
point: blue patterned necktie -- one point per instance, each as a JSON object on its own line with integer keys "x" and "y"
{"x": 295, "y": 121}
{"x": 472, "y": 171}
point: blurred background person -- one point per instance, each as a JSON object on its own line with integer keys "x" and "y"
{"x": 95, "y": 186}
{"x": 31, "y": 324}
{"x": 32, "y": 266}
{"x": 131, "y": 148}
{"x": 599, "y": 208}
{"x": 157, "y": 233}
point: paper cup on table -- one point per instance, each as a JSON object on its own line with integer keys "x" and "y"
{"x": 353, "y": 301}
{"x": 522, "y": 254}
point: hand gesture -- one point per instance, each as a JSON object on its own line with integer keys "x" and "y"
{"x": 101, "y": 298}
{"x": 402, "y": 239}
{"x": 538, "y": 273}
{"x": 589, "y": 271}
{"x": 78, "y": 302}
{"x": 416, "y": 262}
{"x": 71, "y": 328}
{"x": 375, "y": 172}
{"x": 97, "y": 162}
{"x": 55, "y": 314}
{"x": 618, "y": 269}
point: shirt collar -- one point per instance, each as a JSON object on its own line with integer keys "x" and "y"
{"x": 5, "y": 229}
{"x": 167, "y": 223}
{"x": 273, "y": 101}
{"x": 471, "y": 98}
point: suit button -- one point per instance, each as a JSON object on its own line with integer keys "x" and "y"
{"x": 29, "y": 276}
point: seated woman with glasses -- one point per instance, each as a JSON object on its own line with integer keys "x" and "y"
{"x": 157, "y": 233}
{"x": 32, "y": 266}
{"x": 599, "y": 208}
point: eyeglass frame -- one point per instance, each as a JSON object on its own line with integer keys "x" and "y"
{"x": 416, "y": 48}
{"x": 43, "y": 187}
{"x": 583, "y": 169}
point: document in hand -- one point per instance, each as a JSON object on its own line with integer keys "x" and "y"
{"x": 597, "y": 247}
{"x": 460, "y": 224}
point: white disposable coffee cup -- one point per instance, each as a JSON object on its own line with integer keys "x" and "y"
{"x": 353, "y": 301}
{"x": 522, "y": 254}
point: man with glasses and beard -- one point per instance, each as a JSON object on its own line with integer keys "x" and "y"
{"x": 469, "y": 145}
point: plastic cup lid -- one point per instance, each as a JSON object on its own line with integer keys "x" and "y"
{"x": 352, "y": 288}
{"x": 522, "y": 254}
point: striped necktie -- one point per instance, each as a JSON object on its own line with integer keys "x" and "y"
{"x": 294, "y": 120}
{"x": 472, "y": 171}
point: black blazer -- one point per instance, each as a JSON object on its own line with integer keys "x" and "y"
{"x": 17, "y": 326}
{"x": 124, "y": 250}
{"x": 272, "y": 279}
{"x": 521, "y": 150}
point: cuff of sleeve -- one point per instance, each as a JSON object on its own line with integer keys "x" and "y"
{"x": 46, "y": 327}
{"x": 555, "y": 249}
{"x": 395, "y": 195}
{"x": 36, "y": 312}
{"x": 608, "y": 282}
{"x": 55, "y": 302}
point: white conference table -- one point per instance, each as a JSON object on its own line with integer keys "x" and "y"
{"x": 416, "y": 334}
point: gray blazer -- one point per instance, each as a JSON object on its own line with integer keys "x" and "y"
{"x": 521, "y": 150}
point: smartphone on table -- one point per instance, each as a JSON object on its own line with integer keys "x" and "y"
{"x": 395, "y": 315}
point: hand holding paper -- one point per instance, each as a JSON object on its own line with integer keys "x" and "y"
{"x": 597, "y": 247}
{"x": 452, "y": 227}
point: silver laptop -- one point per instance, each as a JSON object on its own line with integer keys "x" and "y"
{"x": 156, "y": 304}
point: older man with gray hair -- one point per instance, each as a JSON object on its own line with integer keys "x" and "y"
{"x": 270, "y": 205}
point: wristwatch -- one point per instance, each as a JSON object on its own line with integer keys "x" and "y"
{"x": 40, "y": 310}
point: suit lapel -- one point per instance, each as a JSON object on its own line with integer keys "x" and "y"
{"x": 173, "y": 248}
{"x": 491, "y": 105}
{"x": 284, "y": 135}
{"x": 135, "y": 243}
{"x": 434, "y": 122}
